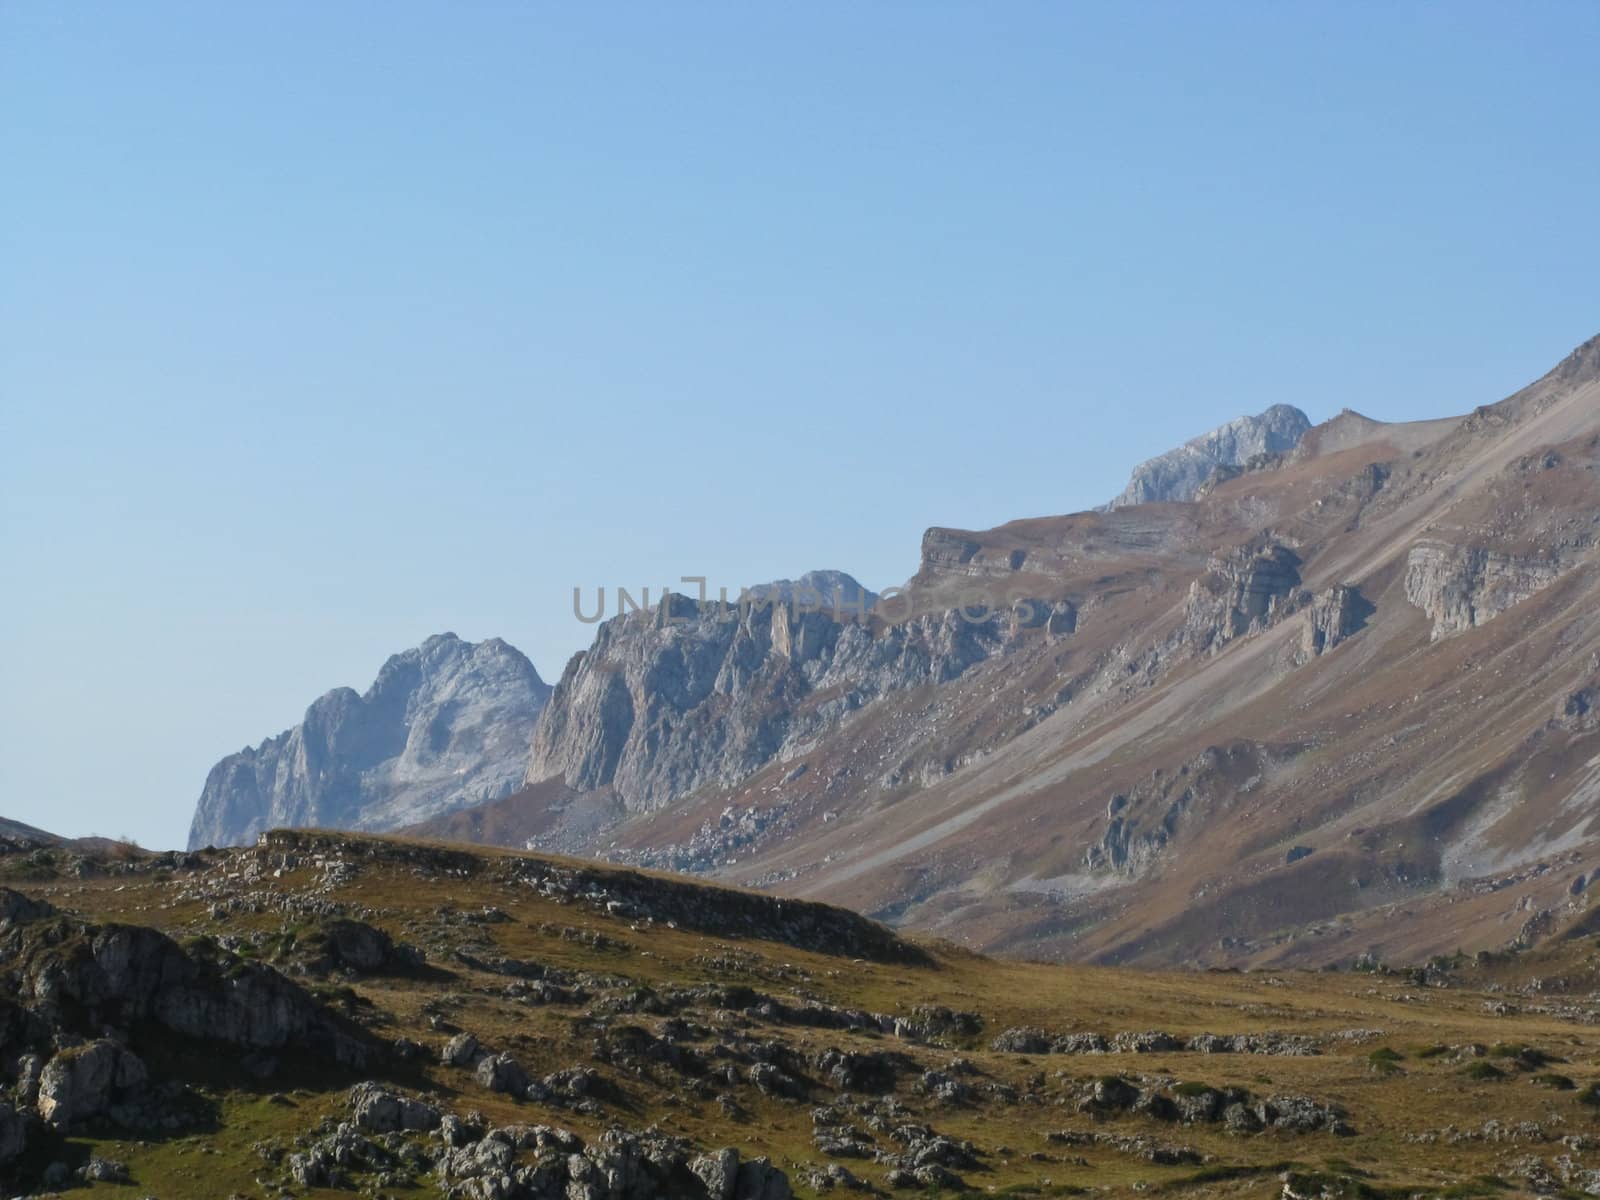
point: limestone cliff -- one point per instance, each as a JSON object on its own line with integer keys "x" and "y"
{"x": 1180, "y": 474}
{"x": 445, "y": 726}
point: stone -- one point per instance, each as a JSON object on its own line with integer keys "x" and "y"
{"x": 460, "y": 1051}
{"x": 377, "y": 1110}
{"x": 1022, "y": 1040}
{"x": 81, "y": 1082}
{"x": 935, "y": 1176}
{"x": 1115, "y": 1093}
{"x": 770, "y": 1080}
{"x": 1240, "y": 1118}
{"x": 502, "y": 1073}
{"x": 358, "y": 945}
{"x": 719, "y": 1171}
{"x": 856, "y": 1071}
{"x": 103, "y": 1170}
{"x": 1150, "y": 1042}
{"x": 1301, "y": 1114}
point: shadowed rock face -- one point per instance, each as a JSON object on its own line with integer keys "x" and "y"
{"x": 445, "y": 726}
{"x": 1179, "y": 474}
{"x": 69, "y": 975}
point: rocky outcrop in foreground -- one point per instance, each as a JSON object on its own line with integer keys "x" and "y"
{"x": 74, "y": 996}
{"x": 445, "y": 726}
{"x": 1180, "y": 474}
{"x": 470, "y": 1160}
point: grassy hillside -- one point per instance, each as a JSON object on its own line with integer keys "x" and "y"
{"x": 731, "y": 1019}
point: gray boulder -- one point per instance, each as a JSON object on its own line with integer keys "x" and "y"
{"x": 104, "y": 1170}
{"x": 377, "y": 1110}
{"x": 82, "y": 1082}
{"x": 719, "y": 1171}
{"x": 460, "y": 1051}
{"x": 727, "y": 1177}
{"x": 502, "y": 1073}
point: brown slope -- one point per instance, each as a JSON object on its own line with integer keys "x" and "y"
{"x": 1417, "y": 760}
{"x": 1473, "y": 483}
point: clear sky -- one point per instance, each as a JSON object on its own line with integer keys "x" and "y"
{"x": 327, "y": 327}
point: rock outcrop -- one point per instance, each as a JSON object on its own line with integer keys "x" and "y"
{"x": 1334, "y": 615}
{"x": 1180, "y": 474}
{"x": 82, "y": 1081}
{"x": 69, "y": 976}
{"x": 696, "y": 693}
{"x": 1241, "y": 592}
{"x": 1461, "y": 587}
{"x": 445, "y": 726}
{"x": 77, "y": 1000}
{"x": 1141, "y": 822}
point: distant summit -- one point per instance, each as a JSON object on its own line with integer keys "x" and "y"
{"x": 820, "y": 589}
{"x": 1179, "y": 474}
{"x": 445, "y": 726}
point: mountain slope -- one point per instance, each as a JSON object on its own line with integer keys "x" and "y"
{"x": 445, "y": 726}
{"x": 17, "y": 831}
{"x": 1341, "y": 701}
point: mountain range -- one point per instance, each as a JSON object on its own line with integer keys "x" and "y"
{"x": 1298, "y": 695}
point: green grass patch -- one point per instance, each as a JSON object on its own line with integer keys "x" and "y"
{"x": 1385, "y": 1061}
{"x": 1528, "y": 1057}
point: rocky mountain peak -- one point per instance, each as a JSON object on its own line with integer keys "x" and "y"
{"x": 444, "y": 726}
{"x": 1180, "y": 474}
{"x": 833, "y": 589}
{"x": 1582, "y": 365}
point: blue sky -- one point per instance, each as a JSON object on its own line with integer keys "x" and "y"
{"x": 327, "y": 327}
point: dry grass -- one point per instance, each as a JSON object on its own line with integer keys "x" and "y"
{"x": 1395, "y": 1086}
